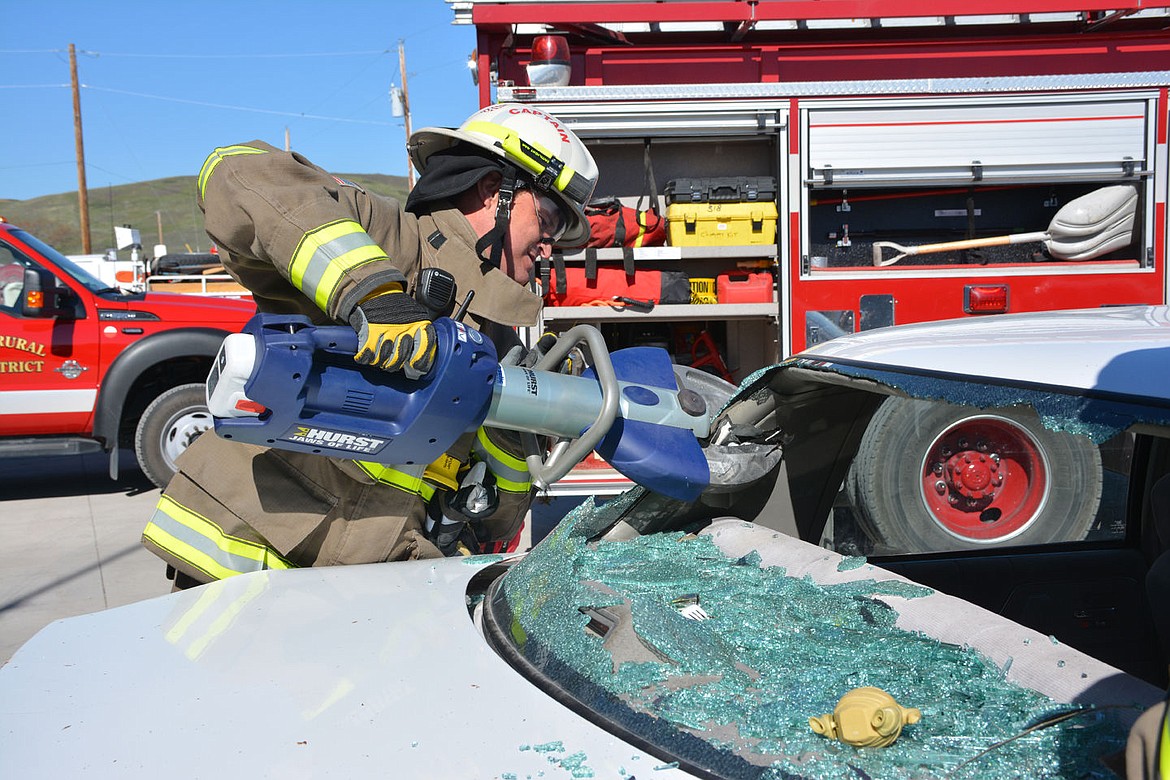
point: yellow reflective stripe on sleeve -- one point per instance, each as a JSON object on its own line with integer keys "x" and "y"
{"x": 534, "y": 157}
{"x": 511, "y": 472}
{"x": 216, "y": 157}
{"x": 191, "y": 537}
{"x": 325, "y": 254}
{"x": 1164, "y": 745}
{"x": 396, "y": 477}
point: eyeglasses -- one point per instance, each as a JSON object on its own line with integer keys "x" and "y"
{"x": 548, "y": 216}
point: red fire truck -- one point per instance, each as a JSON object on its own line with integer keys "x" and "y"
{"x": 927, "y": 124}
{"x": 929, "y": 161}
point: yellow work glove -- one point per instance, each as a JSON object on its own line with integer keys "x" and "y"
{"x": 394, "y": 333}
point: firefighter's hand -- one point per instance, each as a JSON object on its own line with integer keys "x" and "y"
{"x": 394, "y": 333}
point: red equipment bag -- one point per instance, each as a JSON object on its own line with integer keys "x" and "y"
{"x": 613, "y": 225}
{"x": 609, "y": 284}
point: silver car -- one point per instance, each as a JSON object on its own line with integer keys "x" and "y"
{"x": 960, "y": 514}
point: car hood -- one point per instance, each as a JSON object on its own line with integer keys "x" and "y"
{"x": 207, "y": 310}
{"x": 352, "y": 671}
{"x": 1109, "y": 350}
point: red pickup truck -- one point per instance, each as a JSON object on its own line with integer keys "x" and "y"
{"x": 85, "y": 366}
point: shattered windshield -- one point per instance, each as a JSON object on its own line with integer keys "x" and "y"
{"x": 722, "y": 645}
{"x": 715, "y": 650}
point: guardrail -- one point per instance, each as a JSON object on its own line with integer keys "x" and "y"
{"x": 211, "y": 285}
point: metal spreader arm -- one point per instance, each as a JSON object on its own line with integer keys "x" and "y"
{"x": 564, "y": 456}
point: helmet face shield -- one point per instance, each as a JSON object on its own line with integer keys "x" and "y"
{"x": 536, "y": 143}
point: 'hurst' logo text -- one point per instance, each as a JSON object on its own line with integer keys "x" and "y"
{"x": 319, "y": 437}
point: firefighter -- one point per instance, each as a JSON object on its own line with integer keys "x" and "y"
{"x": 493, "y": 197}
{"x": 1147, "y": 754}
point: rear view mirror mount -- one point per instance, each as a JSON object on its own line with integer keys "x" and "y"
{"x": 42, "y": 296}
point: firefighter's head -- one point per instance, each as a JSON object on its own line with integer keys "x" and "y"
{"x": 509, "y": 161}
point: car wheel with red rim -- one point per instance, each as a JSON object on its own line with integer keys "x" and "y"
{"x": 932, "y": 476}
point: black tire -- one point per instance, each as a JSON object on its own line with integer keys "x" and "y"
{"x": 167, "y": 427}
{"x": 931, "y": 476}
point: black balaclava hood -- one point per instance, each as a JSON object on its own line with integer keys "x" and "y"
{"x": 449, "y": 173}
{"x": 458, "y": 169}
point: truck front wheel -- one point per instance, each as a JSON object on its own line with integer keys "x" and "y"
{"x": 932, "y": 476}
{"x": 167, "y": 427}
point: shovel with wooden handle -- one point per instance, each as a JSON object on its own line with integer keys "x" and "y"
{"x": 1085, "y": 227}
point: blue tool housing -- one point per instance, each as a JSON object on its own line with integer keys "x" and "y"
{"x": 662, "y": 458}
{"x": 319, "y": 400}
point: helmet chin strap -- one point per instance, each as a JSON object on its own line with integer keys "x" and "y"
{"x": 494, "y": 238}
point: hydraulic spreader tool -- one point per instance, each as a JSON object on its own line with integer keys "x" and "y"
{"x": 286, "y": 383}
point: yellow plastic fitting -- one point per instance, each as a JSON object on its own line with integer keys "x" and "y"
{"x": 865, "y": 717}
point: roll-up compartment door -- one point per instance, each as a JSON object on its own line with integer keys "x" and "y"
{"x": 990, "y": 142}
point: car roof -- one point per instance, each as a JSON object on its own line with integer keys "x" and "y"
{"x": 1117, "y": 351}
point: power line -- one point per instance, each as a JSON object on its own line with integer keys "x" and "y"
{"x": 235, "y": 108}
{"x": 141, "y": 55}
{"x": 35, "y": 165}
{"x": 298, "y": 55}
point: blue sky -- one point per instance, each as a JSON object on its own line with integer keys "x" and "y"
{"x": 165, "y": 82}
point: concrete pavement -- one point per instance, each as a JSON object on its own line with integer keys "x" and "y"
{"x": 69, "y": 542}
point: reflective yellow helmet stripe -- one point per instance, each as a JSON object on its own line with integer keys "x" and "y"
{"x": 216, "y": 157}
{"x": 511, "y": 473}
{"x": 325, "y": 254}
{"x": 396, "y": 477}
{"x": 191, "y": 537}
{"x": 535, "y": 158}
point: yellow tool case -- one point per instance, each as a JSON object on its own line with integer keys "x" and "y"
{"x": 721, "y": 211}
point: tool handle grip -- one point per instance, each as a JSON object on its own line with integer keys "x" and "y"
{"x": 976, "y": 243}
{"x": 562, "y": 460}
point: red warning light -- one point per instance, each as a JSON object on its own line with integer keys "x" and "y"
{"x": 985, "y": 298}
{"x": 550, "y": 61}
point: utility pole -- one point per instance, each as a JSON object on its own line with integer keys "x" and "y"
{"x": 82, "y": 192}
{"x": 406, "y": 113}
{"x": 287, "y": 146}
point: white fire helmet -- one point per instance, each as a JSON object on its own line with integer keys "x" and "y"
{"x": 536, "y": 143}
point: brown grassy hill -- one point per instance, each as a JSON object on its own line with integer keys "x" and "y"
{"x": 55, "y": 218}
